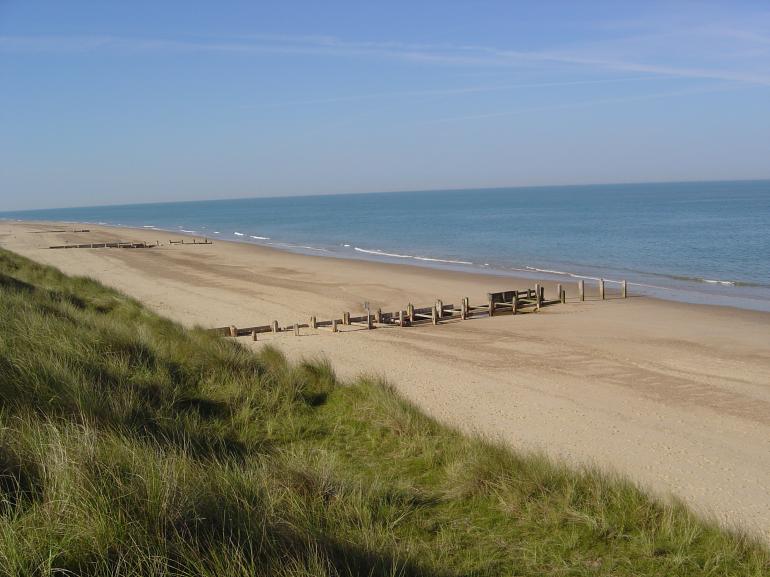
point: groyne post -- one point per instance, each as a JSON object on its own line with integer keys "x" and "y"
{"x": 440, "y": 307}
{"x": 378, "y": 315}
{"x": 624, "y": 289}
{"x": 582, "y": 290}
{"x": 334, "y": 326}
{"x": 537, "y": 297}
{"x": 346, "y": 318}
{"x": 401, "y": 318}
{"x": 515, "y": 303}
{"x": 601, "y": 288}
{"x": 563, "y": 295}
{"x": 558, "y": 292}
{"x": 254, "y": 335}
{"x": 410, "y": 312}
{"x": 434, "y": 315}
{"x": 275, "y": 326}
{"x": 491, "y": 304}
{"x": 313, "y": 322}
{"x": 233, "y": 331}
{"x": 296, "y": 329}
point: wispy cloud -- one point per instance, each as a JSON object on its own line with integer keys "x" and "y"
{"x": 584, "y": 104}
{"x": 458, "y": 91}
{"x": 601, "y": 56}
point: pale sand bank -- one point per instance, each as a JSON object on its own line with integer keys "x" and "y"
{"x": 675, "y": 396}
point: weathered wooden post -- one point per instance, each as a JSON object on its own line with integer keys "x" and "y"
{"x": 233, "y": 331}
{"x": 296, "y": 329}
{"x": 582, "y": 289}
{"x": 334, "y": 326}
{"x": 558, "y": 292}
{"x": 254, "y": 335}
{"x": 410, "y": 312}
{"x": 464, "y": 308}
{"x": 624, "y": 289}
{"x": 369, "y": 320}
{"x": 601, "y": 288}
{"x": 275, "y": 326}
{"x": 378, "y": 315}
{"x": 313, "y": 322}
{"x": 440, "y": 307}
{"x": 563, "y": 296}
{"x": 434, "y": 315}
{"x": 401, "y": 318}
{"x": 537, "y": 297}
{"x": 491, "y": 304}
{"x": 346, "y": 318}
{"x": 515, "y": 303}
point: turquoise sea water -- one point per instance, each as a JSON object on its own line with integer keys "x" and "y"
{"x": 705, "y": 242}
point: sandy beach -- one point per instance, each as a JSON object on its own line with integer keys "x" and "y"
{"x": 674, "y": 396}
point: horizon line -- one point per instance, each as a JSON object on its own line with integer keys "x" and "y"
{"x": 396, "y": 191}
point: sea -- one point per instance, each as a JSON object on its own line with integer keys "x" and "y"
{"x": 700, "y": 242}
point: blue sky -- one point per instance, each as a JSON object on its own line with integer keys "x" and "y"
{"x": 118, "y": 102}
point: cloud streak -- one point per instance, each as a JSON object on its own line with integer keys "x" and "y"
{"x": 593, "y": 58}
{"x": 458, "y": 91}
{"x": 584, "y": 104}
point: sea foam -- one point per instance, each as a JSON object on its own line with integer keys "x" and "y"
{"x": 422, "y": 258}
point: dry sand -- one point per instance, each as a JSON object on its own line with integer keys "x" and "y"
{"x": 674, "y": 396}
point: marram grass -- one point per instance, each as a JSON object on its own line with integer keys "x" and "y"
{"x": 131, "y": 446}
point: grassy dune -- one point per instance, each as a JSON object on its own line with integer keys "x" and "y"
{"x": 131, "y": 446}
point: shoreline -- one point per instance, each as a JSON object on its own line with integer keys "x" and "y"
{"x": 673, "y": 396}
{"x": 530, "y": 274}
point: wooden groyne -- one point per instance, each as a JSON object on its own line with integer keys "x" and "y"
{"x": 59, "y": 230}
{"x": 194, "y": 241}
{"x": 109, "y": 245}
{"x": 131, "y": 244}
{"x": 511, "y": 302}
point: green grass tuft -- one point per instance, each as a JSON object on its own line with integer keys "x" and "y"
{"x": 131, "y": 446}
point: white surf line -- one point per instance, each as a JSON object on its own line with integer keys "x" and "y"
{"x": 382, "y": 253}
{"x": 448, "y": 261}
{"x": 596, "y": 278}
{"x": 377, "y": 252}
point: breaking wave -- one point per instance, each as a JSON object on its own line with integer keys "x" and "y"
{"x": 410, "y": 256}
